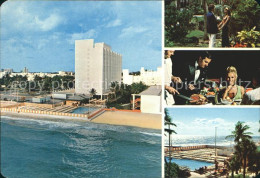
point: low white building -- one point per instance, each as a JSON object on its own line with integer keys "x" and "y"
{"x": 31, "y": 76}
{"x": 2, "y": 74}
{"x": 148, "y": 77}
{"x": 150, "y": 100}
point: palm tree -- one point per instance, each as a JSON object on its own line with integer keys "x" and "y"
{"x": 244, "y": 145}
{"x": 113, "y": 88}
{"x": 92, "y": 92}
{"x": 248, "y": 147}
{"x": 167, "y": 121}
{"x": 240, "y": 132}
{"x": 234, "y": 164}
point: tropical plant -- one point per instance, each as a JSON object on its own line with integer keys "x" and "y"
{"x": 240, "y": 132}
{"x": 177, "y": 23}
{"x": 249, "y": 38}
{"x": 122, "y": 93}
{"x": 234, "y": 164}
{"x": 254, "y": 162}
{"x": 169, "y": 131}
{"x": 174, "y": 171}
{"x": 93, "y": 91}
{"x": 248, "y": 147}
{"x": 171, "y": 170}
{"x": 245, "y": 15}
{"x": 244, "y": 146}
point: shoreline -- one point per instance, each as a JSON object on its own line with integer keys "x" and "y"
{"x": 141, "y": 120}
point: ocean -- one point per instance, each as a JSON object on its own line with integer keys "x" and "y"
{"x": 192, "y": 140}
{"x": 47, "y": 148}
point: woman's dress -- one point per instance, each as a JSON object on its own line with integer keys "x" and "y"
{"x": 225, "y": 38}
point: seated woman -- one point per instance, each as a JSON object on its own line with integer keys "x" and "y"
{"x": 233, "y": 92}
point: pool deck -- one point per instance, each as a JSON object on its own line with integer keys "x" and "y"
{"x": 100, "y": 115}
{"x": 206, "y": 154}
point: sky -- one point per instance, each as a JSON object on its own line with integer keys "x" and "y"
{"x": 41, "y": 35}
{"x": 202, "y": 121}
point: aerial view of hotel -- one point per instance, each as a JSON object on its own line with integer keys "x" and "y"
{"x": 145, "y": 89}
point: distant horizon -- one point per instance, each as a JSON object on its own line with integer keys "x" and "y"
{"x": 41, "y": 35}
{"x": 68, "y": 71}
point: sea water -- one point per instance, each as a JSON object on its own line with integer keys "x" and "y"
{"x": 46, "y": 148}
{"x": 193, "y": 140}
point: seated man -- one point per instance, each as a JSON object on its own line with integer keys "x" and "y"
{"x": 253, "y": 96}
{"x": 193, "y": 75}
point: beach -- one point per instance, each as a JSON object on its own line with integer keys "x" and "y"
{"x": 136, "y": 119}
{"x": 142, "y": 120}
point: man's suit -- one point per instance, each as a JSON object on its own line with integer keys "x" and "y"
{"x": 187, "y": 75}
{"x": 212, "y": 28}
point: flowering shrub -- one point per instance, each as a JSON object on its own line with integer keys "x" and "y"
{"x": 249, "y": 38}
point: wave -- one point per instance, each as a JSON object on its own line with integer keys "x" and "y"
{"x": 41, "y": 122}
{"x": 151, "y": 134}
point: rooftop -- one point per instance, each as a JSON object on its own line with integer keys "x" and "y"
{"x": 152, "y": 90}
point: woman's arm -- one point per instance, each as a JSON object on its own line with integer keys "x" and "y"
{"x": 225, "y": 20}
{"x": 226, "y": 92}
{"x": 219, "y": 25}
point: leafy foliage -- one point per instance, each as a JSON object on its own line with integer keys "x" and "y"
{"x": 40, "y": 83}
{"x": 245, "y": 150}
{"x": 177, "y": 23}
{"x": 173, "y": 170}
{"x": 249, "y": 38}
{"x": 121, "y": 93}
{"x": 240, "y": 132}
{"x": 245, "y": 15}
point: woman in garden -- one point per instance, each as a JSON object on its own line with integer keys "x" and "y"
{"x": 233, "y": 91}
{"x": 224, "y": 26}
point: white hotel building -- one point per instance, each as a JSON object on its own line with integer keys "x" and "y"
{"x": 96, "y": 66}
{"x": 148, "y": 77}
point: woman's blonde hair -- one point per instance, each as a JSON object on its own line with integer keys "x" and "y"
{"x": 232, "y": 69}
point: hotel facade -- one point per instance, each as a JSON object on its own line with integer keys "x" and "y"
{"x": 148, "y": 77}
{"x": 96, "y": 66}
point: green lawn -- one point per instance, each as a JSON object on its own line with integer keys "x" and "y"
{"x": 195, "y": 33}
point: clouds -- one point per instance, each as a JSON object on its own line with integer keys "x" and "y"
{"x": 80, "y": 36}
{"x": 114, "y": 23}
{"x": 48, "y": 23}
{"x": 132, "y": 31}
{"x": 206, "y": 126}
{"x": 43, "y": 28}
{"x": 22, "y": 17}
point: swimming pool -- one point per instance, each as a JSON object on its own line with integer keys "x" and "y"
{"x": 82, "y": 110}
{"x": 192, "y": 164}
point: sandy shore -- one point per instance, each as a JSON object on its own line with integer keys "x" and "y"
{"x": 144, "y": 120}
{"x": 196, "y": 175}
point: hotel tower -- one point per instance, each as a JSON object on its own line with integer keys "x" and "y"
{"x": 96, "y": 66}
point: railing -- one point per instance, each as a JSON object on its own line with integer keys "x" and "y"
{"x": 97, "y": 113}
{"x": 42, "y": 112}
